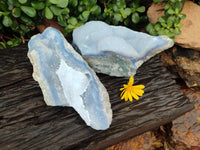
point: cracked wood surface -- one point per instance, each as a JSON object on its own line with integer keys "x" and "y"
{"x": 26, "y": 122}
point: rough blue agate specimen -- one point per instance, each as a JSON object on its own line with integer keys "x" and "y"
{"x": 67, "y": 80}
{"x": 116, "y": 50}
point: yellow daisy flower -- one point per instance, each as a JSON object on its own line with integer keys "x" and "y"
{"x": 129, "y": 91}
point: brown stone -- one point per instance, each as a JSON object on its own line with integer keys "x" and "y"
{"x": 190, "y": 35}
{"x": 186, "y": 128}
{"x": 185, "y": 62}
{"x": 142, "y": 142}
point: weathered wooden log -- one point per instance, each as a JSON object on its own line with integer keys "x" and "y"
{"x": 27, "y": 123}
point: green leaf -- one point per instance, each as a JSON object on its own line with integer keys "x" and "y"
{"x": 170, "y": 11}
{"x": 15, "y": 26}
{"x": 48, "y": 3}
{"x": 161, "y": 19}
{"x": 183, "y": 16}
{"x": 3, "y": 6}
{"x": 2, "y": 45}
{"x": 163, "y": 24}
{"x": 9, "y": 43}
{"x": 38, "y": 5}
{"x": 86, "y": 14}
{"x": 157, "y": 27}
{"x": 150, "y": 29}
{"x": 169, "y": 25}
{"x": 4, "y": 13}
{"x": 11, "y": 2}
{"x": 177, "y": 31}
{"x": 65, "y": 11}
{"x": 24, "y": 28}
{"x": 170, "y": 34}
{"x": 48, "y": 13}
{"x": 170, "y": 19}
{"x": 176, "y": 11}
{"x": 96, "y": 10}
{"x": 16, "y": 12}
{"x": 122, "y": 13}
{"x": 127, "y": 11}
{"x": 22, "y": 1}
{"x": 54, "y": 1}
{"x": 80, "y": 8}
{"x": 167, "y": 31}
{"x": 180, "y": 25}
{"x": 121, "y": 4}
{"x": 30, "y": 11}
{"x": 161, "y": 32}
{"x": 7, "y": 21}
{"x": 73, "y": 21}
{"x": 135, "y": 18}
{"x": 70, "y": 26}
{"x": 117, "y": 17}
{"x": 157, "y": 1}
{"x": 62, "y": 3}
{"x": 115, "y": 8}
{"x": 74, "y": 3}
{"x": 167, "y": 6}
{"x": 93, "y": 2}
{"x": 126, "y": 21}
{"x": 85, "y": 2}
{"x": 141, "y": 9}
{"x": 61, "y": 20}
{"x": 56, "y": 11}
{"x": 26, "y": 20}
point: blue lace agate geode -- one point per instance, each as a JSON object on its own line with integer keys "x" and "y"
{"x": 116, "y": 50}
{"x": 67, "y": 80}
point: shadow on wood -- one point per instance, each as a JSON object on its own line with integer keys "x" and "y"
{"x": 27, "y": 123}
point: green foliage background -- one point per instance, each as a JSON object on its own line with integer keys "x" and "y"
{"x": 20, "y": 17}
{"x": 169, "y": 24}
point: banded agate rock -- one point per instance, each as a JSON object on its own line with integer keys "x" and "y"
{"x": 116, "y": 50}
{"x": 67, "y": 80}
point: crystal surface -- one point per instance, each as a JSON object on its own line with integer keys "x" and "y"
{"x": 67, "y": 80}
{"x": 116, "y": 50}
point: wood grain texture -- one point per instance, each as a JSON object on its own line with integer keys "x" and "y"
{"x": 27, "y": 123}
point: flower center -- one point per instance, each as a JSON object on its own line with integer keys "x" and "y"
{"x": 129, "y": 88}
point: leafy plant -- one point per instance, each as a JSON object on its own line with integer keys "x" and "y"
{"x": 6, "y": 42}
{"x": 79, "y": 13}
{"x": 170, "y": 23}
{"x": 22, "y": 16}
{"x": 121, "y": 11}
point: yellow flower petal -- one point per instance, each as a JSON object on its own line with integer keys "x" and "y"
{"x": 129, "y": 91}
{"x": 131, "y": 81}
{"x": 122, "y": 89}
{"x": 126, "y": 97}
{"x": 130, "y": 97}
{"x": 139, "y": 87}
{"x": 125, "y": 86}
{"x": 122, "y": 93}
{"x": 139, "y": 92}
{"x": 134, "y": 95}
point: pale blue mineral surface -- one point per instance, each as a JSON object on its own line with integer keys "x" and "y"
{"x": 116, "y": 50}
{"x": 67, "y": 80}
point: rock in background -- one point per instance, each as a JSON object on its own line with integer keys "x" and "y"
{"x": 183, "y": 62}
{"x": 186, "y": 129}
{"x": 189, "y": 38}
